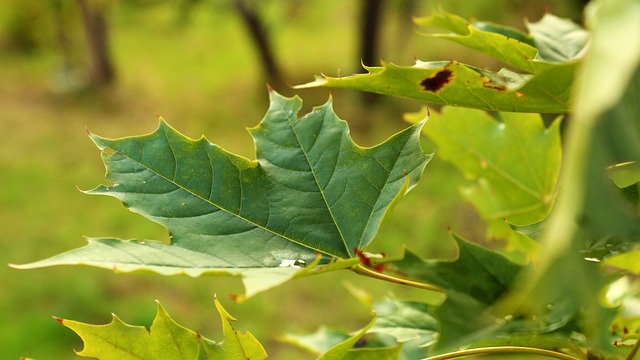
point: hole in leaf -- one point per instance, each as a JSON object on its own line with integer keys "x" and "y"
{"x": 437, "y": 81}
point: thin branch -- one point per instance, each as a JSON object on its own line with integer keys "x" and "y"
{"x": 362, "y": 270}
{"x": 503, "y": 349}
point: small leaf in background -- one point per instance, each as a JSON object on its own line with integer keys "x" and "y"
{"x": 475, "y": 280}
{"x": 377, "y": 353}
{"x": 475, "y": 283}
{"x": 624, "y": 174}
{"x": 311, "y": 190}
{"x": 518, "y": 244}
{"x": 504, "y": 43}
{"x": 627, "y": 261}
{"x": 318, "y": 342}
{"x": 405, "y": 321}
{"x": 164, "y": 340}
{"x": 558, "y": 40}
{"x": 337, "y": 345}
{"x": 341, "y": 350}
{"x": 513, "y": 162}
{"x": 236, "y": 345}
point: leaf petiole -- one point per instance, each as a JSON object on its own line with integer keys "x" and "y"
{"x": 503, "y": 349}
{"x": 362, "y": 270}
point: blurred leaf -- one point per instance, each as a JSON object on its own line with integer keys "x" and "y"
{"x": 312, "y": 190}
{"x": 603, "y": 131}
{"x": 518, "y": 246}
{"x": 164, "y": 340}
{"x": 342, "y": 349}
{"x": 475, "y": 280}
{"x": 383, "y": 353}
{"x": 339, "y": 345}
{"x": 629, "y": 261}
{"x": 616, "y": 139}
{"x": 514, "y": 161}
{"x": 558, "y": 40}
{"x": 405, "y": 321}
{"x": 325, "y": 340}
{"x": 318, "y": 342}
{"x": 532, "y": 231}
{"x": 548, "y": 55}
{"x": 624, "y": 174}
{"x": 551, "y": 40}
{"x": 235, "y": 345}
{"x": 613, "y": 42}
{"x": 479, "y": 272}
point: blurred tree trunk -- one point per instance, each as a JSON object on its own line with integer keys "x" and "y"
{"x": 96, "y": 29}
{"x": 370, "y": 31}
{"x": 370, "y": 23}
{"x": 262, "y": 42}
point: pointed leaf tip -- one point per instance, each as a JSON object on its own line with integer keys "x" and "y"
{"x": 60, "y": 320}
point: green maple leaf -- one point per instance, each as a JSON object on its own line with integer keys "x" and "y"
{"x": 311, "y": 191}
{"x": 317, "y": 342}
{"x": 548, "y": 56}
{"x": 473, "y": 281}
{"x": 406, "y": 321}
{"x": 514, "y": 162}
{"x": 235, "y": 345}
{"x": 550, "y": 41}
{"x": 337, "y": 345}
{"x": 164, "y": 340}
{"x": 474, "y": 284}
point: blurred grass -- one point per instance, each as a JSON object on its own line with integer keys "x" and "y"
{"x": 204, "y": 79}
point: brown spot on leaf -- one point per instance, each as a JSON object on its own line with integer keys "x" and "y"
{"x": 519, "y": 94}
{"x": 491, "y": 85}
{"x": 437, "y": 81}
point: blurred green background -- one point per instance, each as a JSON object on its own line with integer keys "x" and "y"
{"x": 195, "y": 62}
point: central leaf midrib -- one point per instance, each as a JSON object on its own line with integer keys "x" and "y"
{"x": 315, "y": 178}
{"x": 172, "y": 181}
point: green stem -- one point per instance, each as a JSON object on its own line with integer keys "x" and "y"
{"x": 362, "y": 270}
{"x": 633, "y": 351}
{"x": 503, "y": 349}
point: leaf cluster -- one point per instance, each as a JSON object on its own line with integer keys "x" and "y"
{"x": 564, "y": 203}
